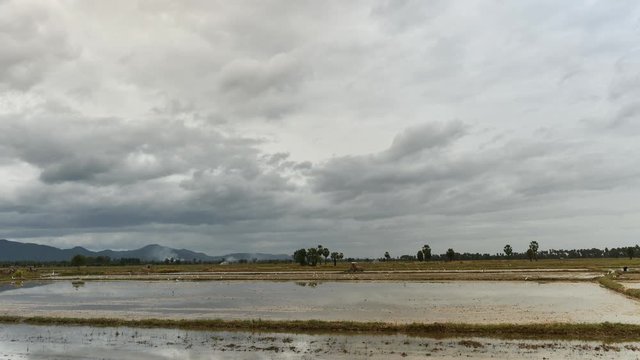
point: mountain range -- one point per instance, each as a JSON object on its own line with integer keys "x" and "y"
{"x": 17, "y": 251}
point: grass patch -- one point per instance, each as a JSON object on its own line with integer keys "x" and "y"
{"x": 635, "y": 293}
{"x": 609, "y": 281}
{"x": 600, "y": 332}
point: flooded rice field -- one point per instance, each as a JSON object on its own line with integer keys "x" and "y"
{"x": 48, "y": 342}
{"x": 399, "y": 302}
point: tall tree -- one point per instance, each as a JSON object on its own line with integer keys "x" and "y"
{"x": 313, "y": 256}
{"x": 420, "y": 255}
{"x": 508, "y": 250}
{"x": 325, "y": 253}
{"x": 426, "y": 252}
{"x": 533, "y": 246}
{"x": 387, "y": 256}
{"x": 530, "y": 254}
{"x": 335, "y": 256}
{"x": 300, "y": 256}
{"x": 451, "y": 254}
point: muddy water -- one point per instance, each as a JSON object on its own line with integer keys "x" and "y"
{"x": 459, "y": 301}
{"x": 45, "y": 342}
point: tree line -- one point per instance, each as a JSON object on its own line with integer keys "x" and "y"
{"x": 313, "y": 256}
{"x": 81, "y": 260}
{"x": 531, "y": 253}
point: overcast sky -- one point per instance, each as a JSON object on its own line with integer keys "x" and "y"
{"x": 365, "y": 126}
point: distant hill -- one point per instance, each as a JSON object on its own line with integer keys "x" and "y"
{"x": 17, "y": 251}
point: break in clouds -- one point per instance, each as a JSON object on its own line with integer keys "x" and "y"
{"x": 365, "y": 126}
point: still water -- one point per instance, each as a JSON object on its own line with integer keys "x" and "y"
{"x": 459, "y": 301}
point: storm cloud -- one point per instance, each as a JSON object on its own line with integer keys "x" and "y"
{"x": 363, "y": 126}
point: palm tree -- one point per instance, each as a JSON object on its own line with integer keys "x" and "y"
{"x": 325, "y": 253}
{"x": 334, "y": 257}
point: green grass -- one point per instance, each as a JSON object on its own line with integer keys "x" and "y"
{"x": 600, "y": 332}
{"x": 609, "y": 281}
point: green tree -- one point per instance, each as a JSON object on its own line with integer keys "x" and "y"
{"x": 300, "y": 256}
{"x": 426, "y": 252}
{"x": 630, "y": 252}
{"x": 533, "y": 246}
{"x": 451, "y": 254}
{"x": 530, "y": 254}
{"x": 420, "y": 256}
{"x": 387, "y": 256}
{"x": 313, "y": 256}
{"x": 79, "y": 260}
{"x": 325, "y": 253}
{"x": 334, "y": 257}
{"x": 508, "y": 250}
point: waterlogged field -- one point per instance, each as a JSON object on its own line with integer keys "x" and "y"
{"x": 484, "y": 302}
{"x": 52, "y": 342}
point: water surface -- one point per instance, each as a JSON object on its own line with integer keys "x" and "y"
{"x": 459, "y": 301}
{"x": 52, "y": 342}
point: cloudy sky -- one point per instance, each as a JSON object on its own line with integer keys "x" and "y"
{"x": 365, "y": 126}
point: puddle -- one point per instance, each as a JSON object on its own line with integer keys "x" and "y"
{"x": 52, "y": 342}
{"x": 458, "y": 301}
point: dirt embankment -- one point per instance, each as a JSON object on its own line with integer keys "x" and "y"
{"x": 495, "y": 275}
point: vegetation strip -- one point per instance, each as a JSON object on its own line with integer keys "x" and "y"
{"x": 600, "y": 332}
{"x": 609, "y": 281}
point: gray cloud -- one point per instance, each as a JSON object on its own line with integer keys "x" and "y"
{"x": 428, "y": 136}
{"x": 32, "y": 41}
{"x": 244, "y": 126}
